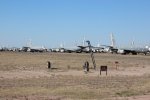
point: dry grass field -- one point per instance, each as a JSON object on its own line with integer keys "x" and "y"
{"x": 25, "y": 76}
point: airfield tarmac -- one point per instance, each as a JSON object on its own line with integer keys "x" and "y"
{"x": 25, "y": 76}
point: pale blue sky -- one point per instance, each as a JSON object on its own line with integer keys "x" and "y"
{"x": 51, "y": 22}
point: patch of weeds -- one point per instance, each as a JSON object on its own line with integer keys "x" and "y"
{"x": 126, "y": 93}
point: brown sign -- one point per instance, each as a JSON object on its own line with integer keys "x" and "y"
{"x": 103, "y": 68}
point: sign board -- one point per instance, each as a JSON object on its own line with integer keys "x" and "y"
{"x": 103, "y": 68}
{"x": 117, "y": 64}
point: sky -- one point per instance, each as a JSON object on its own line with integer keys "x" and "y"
{"x": 52, "y": 22}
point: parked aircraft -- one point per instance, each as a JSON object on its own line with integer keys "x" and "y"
{"x": 30, "y": 48}
{"x": 37, "y": 49}
{"x": 109, "y": 48}
{"x": 132, "y": 50}
{"x": 87, "y": 49}
{"x": 34, "y": 49}
{"x": 78, "y": 49}
{"x": 4, "y": 49}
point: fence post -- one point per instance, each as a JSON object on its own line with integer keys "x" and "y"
{"x": 49, "y": 65}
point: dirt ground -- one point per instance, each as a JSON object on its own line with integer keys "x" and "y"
{"x": 25, "y": 76}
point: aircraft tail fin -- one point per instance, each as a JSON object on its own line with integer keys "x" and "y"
{"x": 112, "y": 40}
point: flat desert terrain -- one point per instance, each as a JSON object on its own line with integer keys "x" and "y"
{"x": 25, "y": 76}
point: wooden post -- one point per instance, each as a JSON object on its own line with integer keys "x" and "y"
{"x": 49, "y": 65}
{"x": 116, "y": 63}
{"x": 86, "y": 66}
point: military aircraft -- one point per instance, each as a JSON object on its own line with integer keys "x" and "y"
{"x": 134, "y": 51}
{"x": 78, "y": 49}
{"x": 31, "y": 48}
{"x": 109, "y": 48}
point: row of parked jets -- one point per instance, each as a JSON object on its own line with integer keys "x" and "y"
{"x": 105, "y": 49}
{"x": 86, "y": 49}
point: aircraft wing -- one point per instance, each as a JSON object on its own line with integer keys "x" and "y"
{"x": 82, "y": 47}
